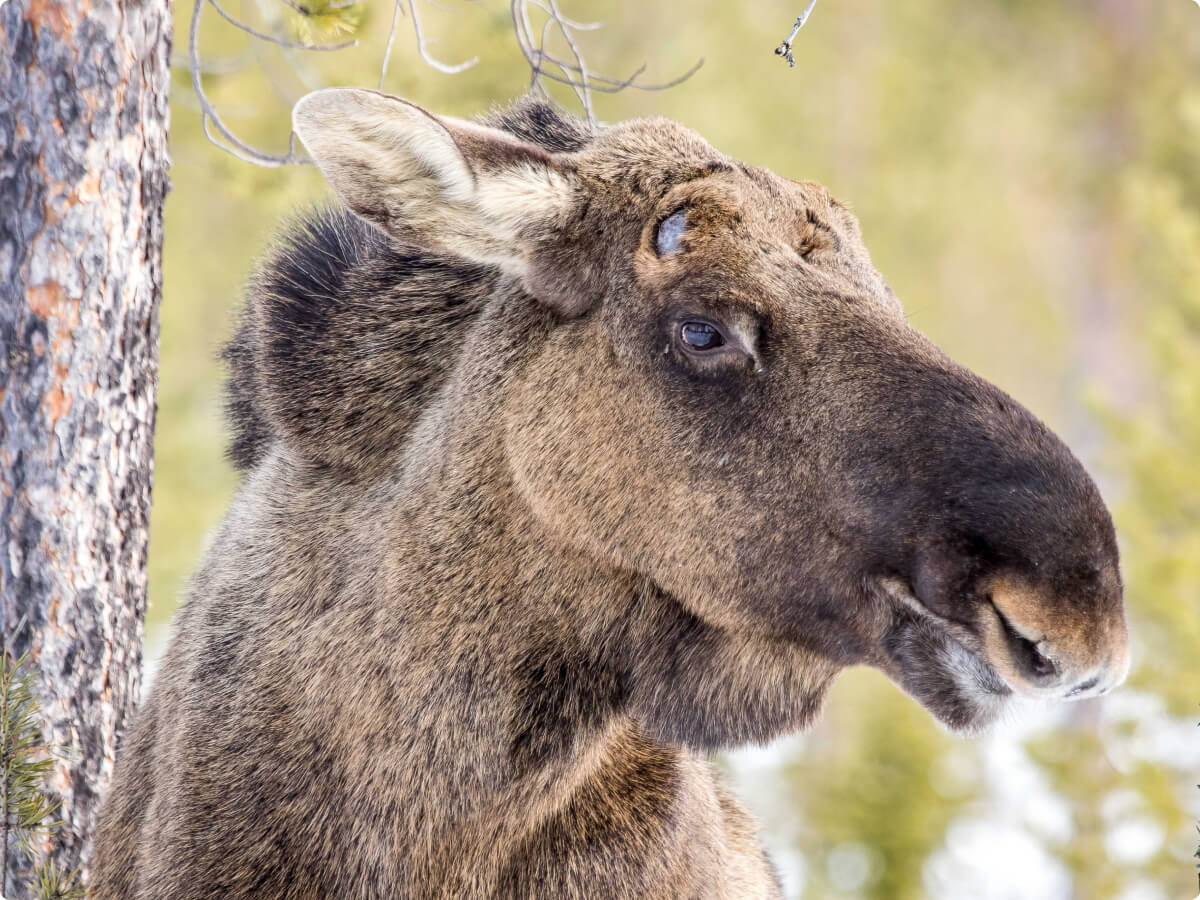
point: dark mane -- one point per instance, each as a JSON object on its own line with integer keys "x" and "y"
{"x": 345, "y": 334}
{"x": 539, "y": 123}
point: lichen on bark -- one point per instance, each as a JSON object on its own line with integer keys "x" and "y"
{"x": 83, "y": 175}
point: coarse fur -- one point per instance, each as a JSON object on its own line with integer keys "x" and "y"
{"x": 520, "y": 542}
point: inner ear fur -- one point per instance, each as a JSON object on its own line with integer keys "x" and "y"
{"x": 435, "y": 181}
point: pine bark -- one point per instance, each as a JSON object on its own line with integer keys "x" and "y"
{"x": 83, "y": 176}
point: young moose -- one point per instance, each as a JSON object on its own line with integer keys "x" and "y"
{"x": 574, "y": 455}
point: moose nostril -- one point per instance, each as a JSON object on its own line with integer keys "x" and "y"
{"x": 1026, "y": 652}
{"x": 1040, "y": 664}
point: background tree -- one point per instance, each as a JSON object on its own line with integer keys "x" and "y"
{"x": 83, "y": 129}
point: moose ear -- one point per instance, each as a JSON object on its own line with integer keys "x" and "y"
{"x": 440, "y": 182}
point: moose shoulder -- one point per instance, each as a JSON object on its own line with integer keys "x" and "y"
{"x": 573, "y": 455}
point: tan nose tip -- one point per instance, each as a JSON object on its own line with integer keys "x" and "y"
{"x": 1041, "y": 652}
{"x": 1107, "y": 677}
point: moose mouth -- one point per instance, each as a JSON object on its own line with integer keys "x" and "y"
{"x": 944, "y": 665}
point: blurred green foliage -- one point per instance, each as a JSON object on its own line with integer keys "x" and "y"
{"x": 1028, "y": 179}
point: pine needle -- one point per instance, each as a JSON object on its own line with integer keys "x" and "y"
{"x": 53, "y": 882}
{"x": 26, "y": 761}
{"x": 324, "y": 21}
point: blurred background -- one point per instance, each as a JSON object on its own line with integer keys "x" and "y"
{"x": 1027, "y": 175}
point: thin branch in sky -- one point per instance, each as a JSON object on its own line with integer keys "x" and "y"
{"x": 423, "y": 45}
{"x": 210, "y": 119}
{"x": 397, "y": 12}
{"x": 573, "y": 72}
{"x": 571, "y": 69}
{"x": 275, "y": 39}
{"x": 785, "y": 49}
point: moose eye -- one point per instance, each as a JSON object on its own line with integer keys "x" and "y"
{"x": 701, "y": 336}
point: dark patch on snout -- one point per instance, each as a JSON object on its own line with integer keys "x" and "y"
{"x": 955, "y": 481}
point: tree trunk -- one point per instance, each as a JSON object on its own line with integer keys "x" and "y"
{"x": 83, "y": 130}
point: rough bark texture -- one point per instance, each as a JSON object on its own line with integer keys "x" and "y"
{"x": 83, "y": 129}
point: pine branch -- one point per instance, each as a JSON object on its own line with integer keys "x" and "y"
{"x": 26, "y": 761}
{"x": 53, "y": 882}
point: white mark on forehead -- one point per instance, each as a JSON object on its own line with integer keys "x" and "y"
{"x": 670, "y": 232}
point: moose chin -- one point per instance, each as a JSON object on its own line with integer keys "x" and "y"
{"x": 570, "y": 456}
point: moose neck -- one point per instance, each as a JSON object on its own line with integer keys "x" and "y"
{"x": 585, "y": 642}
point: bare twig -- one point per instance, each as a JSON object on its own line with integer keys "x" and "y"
{"x": 568, "y": 23}
{"x": 585, "y": 91}
{"x": 275, "y": 39}
{"x": 785, "y": 49}
{"x": 581, "y": 94}
{"x": 209, "y": 118}
{"x": 397, "y": 11}
{"x": 545, "y": 67}
{"x": 535, "y": 65}
{"x": 422, "y": 46}
{"x": 574, "y": 72}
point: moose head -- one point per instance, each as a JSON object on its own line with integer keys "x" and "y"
{"x": 704, "y": 381}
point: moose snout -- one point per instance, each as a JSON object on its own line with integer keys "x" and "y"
{"x": 1045, "y": 647}
{"x": 1004, "y": 539}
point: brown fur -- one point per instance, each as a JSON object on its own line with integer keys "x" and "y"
{"x": 510, "y": 560}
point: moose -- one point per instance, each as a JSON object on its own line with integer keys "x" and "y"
{"x": 573, "y": 454}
